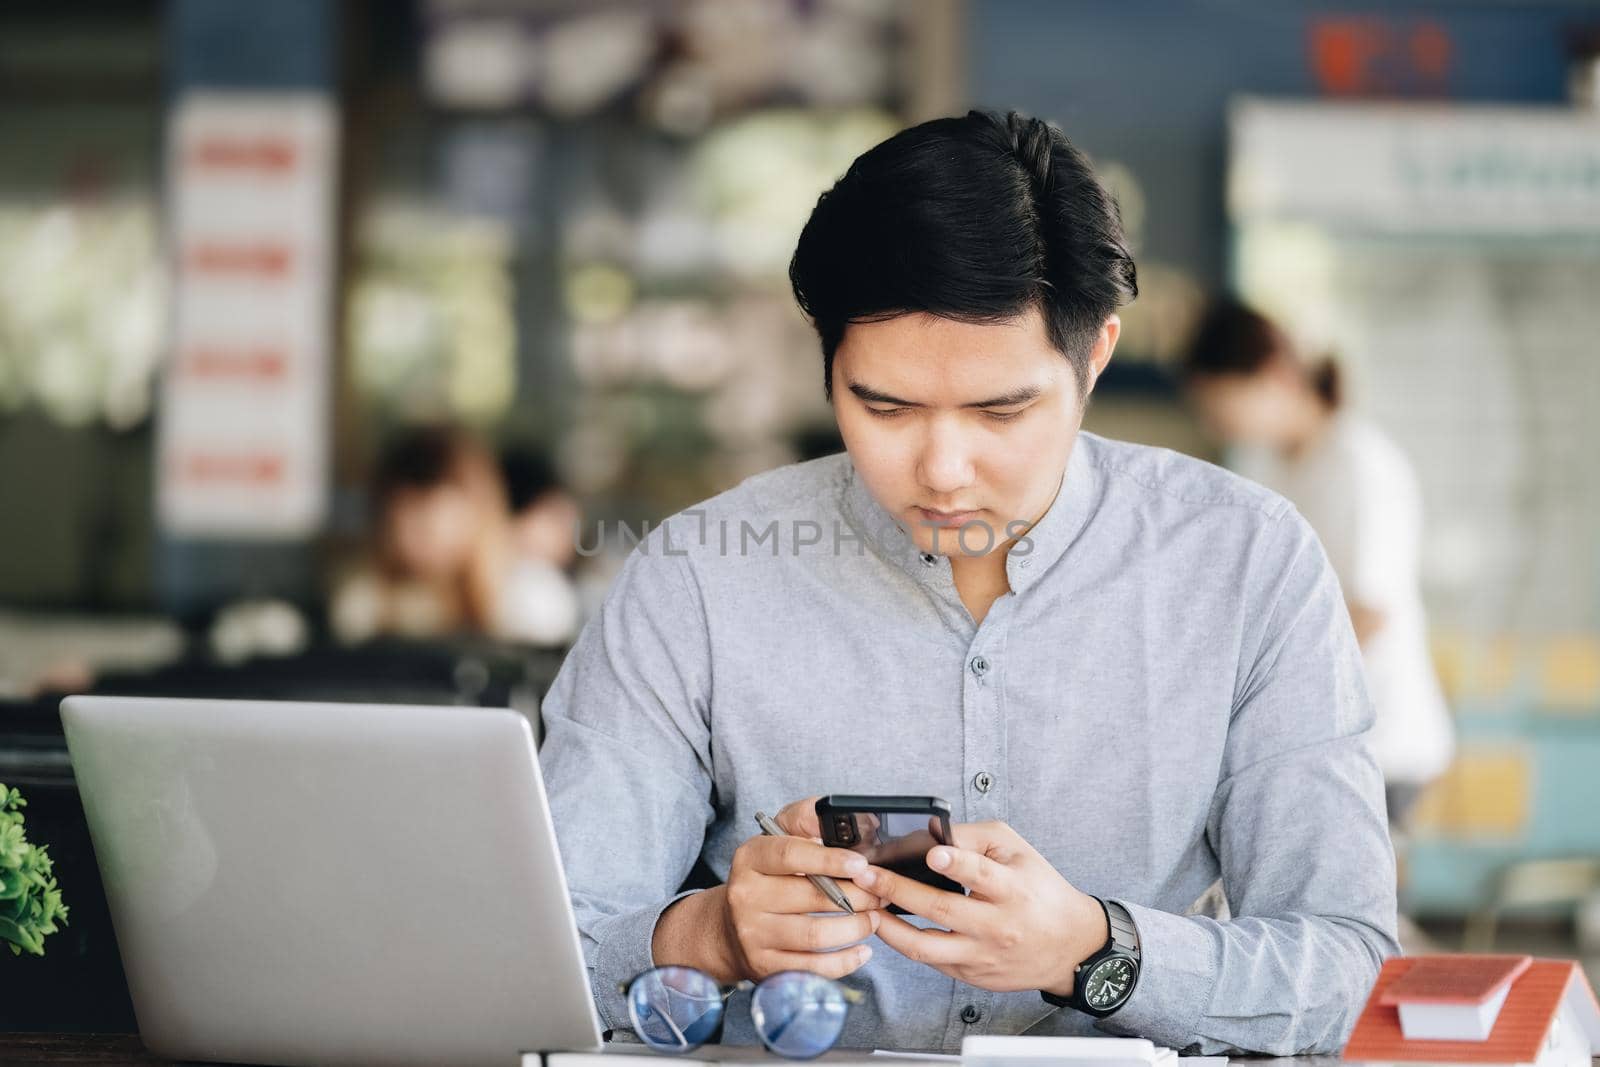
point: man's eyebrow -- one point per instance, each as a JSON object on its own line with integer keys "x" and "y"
{"x": 1016, "y": 396}
{"x": 1019, "y": 395}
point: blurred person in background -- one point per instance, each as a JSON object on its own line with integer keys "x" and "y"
{"x": 1291, "y": 431}
{"x": 445, "y": 555}
{"x": 546, "y": 524}
{"x": 544, "y": 514}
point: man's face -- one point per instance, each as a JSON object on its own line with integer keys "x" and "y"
{"x": 951, "y": 423}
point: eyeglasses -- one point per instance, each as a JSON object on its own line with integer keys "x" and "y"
{"x": 797, "y": 1014}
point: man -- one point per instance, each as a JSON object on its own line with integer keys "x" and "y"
{"x": 1130, "y": 673}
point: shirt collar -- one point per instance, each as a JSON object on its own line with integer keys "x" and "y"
{"x": 1027, "y": 561}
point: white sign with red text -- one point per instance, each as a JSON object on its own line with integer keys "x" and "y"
{"x": 244, "y": 418}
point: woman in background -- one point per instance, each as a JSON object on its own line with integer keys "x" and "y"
{"x": 1358, "y": 491}
{"x": 445, "y": 556}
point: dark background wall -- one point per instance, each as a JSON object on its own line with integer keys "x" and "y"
{"x": 1146, "y": 82}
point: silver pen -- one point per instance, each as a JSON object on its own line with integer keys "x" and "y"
{"x": 829, "y": 887}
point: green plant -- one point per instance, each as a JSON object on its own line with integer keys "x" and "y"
{"x": 30, "y": 903}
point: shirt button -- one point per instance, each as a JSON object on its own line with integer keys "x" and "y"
{"x": 970, "y": 1014}
{"x": 980, "y": 666}
{"x": 929, "y": 559}
{"x": 982, "y": 781}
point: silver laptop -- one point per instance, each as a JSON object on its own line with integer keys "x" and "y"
{"x": 331, "y": 883}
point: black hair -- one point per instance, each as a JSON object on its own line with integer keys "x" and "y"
{"x": 1234, "y": 338}
{"x": 528, "y": 474}
{"x": 423, "y": 458}
{"x": 976, "y": 219}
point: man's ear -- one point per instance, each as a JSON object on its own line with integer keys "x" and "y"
{"x": 1104, "y": 343}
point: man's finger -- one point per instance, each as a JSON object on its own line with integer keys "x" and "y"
{"x": 800, "y": 818}
{"x": 806, "y": 933}
{"x": 792, "y": 895}
{"x": 950, "y": 910}
{"x": 974, "y": 870}
{"x": 994, "y": 839}
{"x": 828, "y": 964}
{"x": 937, "y": 948}
{"x": 796, "y": 855}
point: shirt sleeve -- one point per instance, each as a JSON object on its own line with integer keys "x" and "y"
{"x": 1298, "y": 826}
{"x": 626, "y": 760}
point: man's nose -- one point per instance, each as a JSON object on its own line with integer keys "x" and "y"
{"x": 945, "y": 465}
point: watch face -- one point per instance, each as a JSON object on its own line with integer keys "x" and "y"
{"x": 1108, "y": 984}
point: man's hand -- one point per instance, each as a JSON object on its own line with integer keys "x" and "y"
{"x": 1024, "y": 926}
{"x": 762, "y": 918}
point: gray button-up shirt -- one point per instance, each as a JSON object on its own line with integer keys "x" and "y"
{"x": 1170, "y": 695}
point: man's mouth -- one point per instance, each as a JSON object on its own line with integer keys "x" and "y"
{"x": 946, "y": 518}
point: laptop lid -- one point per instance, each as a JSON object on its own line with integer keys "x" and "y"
{"x": 331, "y": 883}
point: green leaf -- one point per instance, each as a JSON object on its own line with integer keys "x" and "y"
{"x": 21, "y": 937}
{"x": 30, "y": 901}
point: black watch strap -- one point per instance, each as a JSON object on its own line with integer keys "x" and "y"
{"x": 1123, "y": 941}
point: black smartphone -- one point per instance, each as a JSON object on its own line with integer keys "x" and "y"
{"x": 893, "y": 832}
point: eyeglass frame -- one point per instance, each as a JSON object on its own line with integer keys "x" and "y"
{"x": 852, "y": 997}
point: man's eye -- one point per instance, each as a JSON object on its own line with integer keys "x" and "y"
{"x": 1003, "y": 416}
{"x": 887, "y": 413}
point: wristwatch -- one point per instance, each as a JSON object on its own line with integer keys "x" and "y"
{"x": 1103, "y": 983}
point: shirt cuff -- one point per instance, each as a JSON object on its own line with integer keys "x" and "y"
{"x": 1177, "y": 972}
{"x": 622, "y": 952}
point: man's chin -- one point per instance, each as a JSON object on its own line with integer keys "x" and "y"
{"x": 977, "y": 537}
